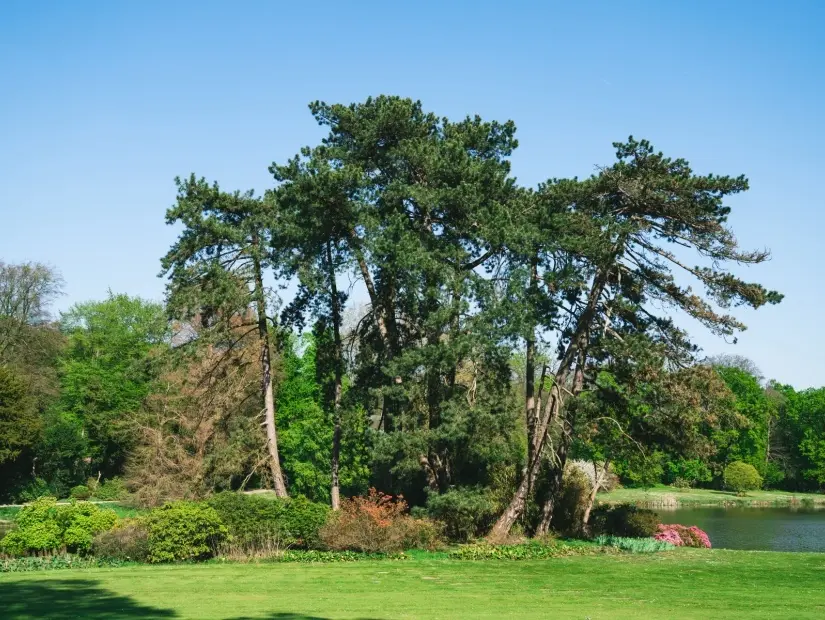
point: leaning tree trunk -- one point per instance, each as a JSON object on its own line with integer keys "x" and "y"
{"x": 384, "y": 320}
{"x": 576, "y": 350}
{"x": 335, "y": 492}
{"x": 515, "y": 509}
{"x": 560, "y": 459}
{"x": 268, "y": 391}
{"x": 556, "y": 480}
{"x": 599, "y": 476}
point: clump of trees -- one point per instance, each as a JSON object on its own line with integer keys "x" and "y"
{"x": 397, "y": 312}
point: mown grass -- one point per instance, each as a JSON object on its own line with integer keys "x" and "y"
{"x": 684, "y": 583}
{"x": 668, "y": 496}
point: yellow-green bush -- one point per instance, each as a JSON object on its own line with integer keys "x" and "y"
{"x": 742, "y": 477}
{"x": 184, "y": 531}
{"x": 44, "y": 526}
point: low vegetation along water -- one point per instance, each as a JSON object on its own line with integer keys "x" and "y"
{"x": 767, "y": 529}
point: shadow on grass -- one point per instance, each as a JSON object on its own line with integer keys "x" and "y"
{"x": 70, "y": 599}
{"x": 290, "y": 616}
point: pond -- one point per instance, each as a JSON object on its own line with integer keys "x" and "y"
{"x": 766, "y": 529}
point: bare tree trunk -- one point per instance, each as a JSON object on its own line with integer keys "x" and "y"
{"x": 501, "y": 529}
{"x": 599, "y": 476}
{"x": 266, "y": 372}
{"x": 339, "y": 376}
{"x": 556, "y": 480}
{"x": 547, "y": 507}
{"x": 530, "y": 379}
{"x": 560, "y": 458}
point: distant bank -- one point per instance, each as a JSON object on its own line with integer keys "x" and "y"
{"x": 669, "y": 497}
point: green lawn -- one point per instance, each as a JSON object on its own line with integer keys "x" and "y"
{"x": 678, "y": 584}
{"x": 666, "y": 496}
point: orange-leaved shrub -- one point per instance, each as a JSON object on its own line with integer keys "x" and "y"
{"x": 378, "y": 523}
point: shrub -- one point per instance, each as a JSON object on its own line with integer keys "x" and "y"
{"x": 465, "y": 513}
{"x": 571, "y": 502}
{"x": 81, "y": 491}
{"x": 683, "y": 536}
{"x": 623, "y": 520}
{"x": 128, "y": 541}
{"x": 35, "y": 489}
{"x": 111, "y": 490}
{"x": 44, "y": 526}
{"x": 742, "y": 477}
{"x": 184, "y": 531}
{"x": 376, "y": 523}
{"x": 288, "y": 522}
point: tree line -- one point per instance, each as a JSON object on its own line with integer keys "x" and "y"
{"x": 504, "y": 331}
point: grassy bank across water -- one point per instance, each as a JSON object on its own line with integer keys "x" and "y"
{"x": 9, "y": 511}
{"x": 664, "y": 496}
{"x": 686, "y": 583}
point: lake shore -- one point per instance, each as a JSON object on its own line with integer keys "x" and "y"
{"x": 663, "y": 497}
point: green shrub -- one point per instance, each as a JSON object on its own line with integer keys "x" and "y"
{"x": 292, "y": 522}
{"x": 742, "y": 477}
{"x": 465, "y": 513}
{"x": 184, "y": 531}
{"x": 623, "y": 520}
{"x": 128, "y": 541}
{"x": 111, "y": 490}
{"x": 81, "y": 491}
{"x": 35, "y": 489}
{"x": 302, "y": 520}
{"x": 43, "y": 526}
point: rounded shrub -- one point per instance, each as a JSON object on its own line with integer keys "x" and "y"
{"x": 81, "y": 491}
{"x": 683, "y": 536}
{"x": 377, "y": 523}
{"x": 184, "y": 531}
{"x": 741, "y": 477}
{"x": 128, "y": 541}
{"x": 110, "y": 490}
{"x": 45, "y": 526}
{"x": 623, "y": 520}
{"x": 293, "y": 522}
{"x": 465, "y": 513}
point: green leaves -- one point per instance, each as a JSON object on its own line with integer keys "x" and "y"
{"x": 45, "y": 526}
{"x": 106, "y": 370}
{"x": 19, "y": 422}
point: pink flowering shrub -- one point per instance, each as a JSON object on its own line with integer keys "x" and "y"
{"x": 683, "y": 536}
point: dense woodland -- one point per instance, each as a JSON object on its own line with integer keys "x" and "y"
{"x": 397, "y": 312}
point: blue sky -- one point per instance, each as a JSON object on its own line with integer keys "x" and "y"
{"x": 102, "y": 104}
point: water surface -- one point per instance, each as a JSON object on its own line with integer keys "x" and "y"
{"x": 766, "y": 529}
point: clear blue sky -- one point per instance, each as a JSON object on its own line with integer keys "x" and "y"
{"x": 102, "y": 104}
